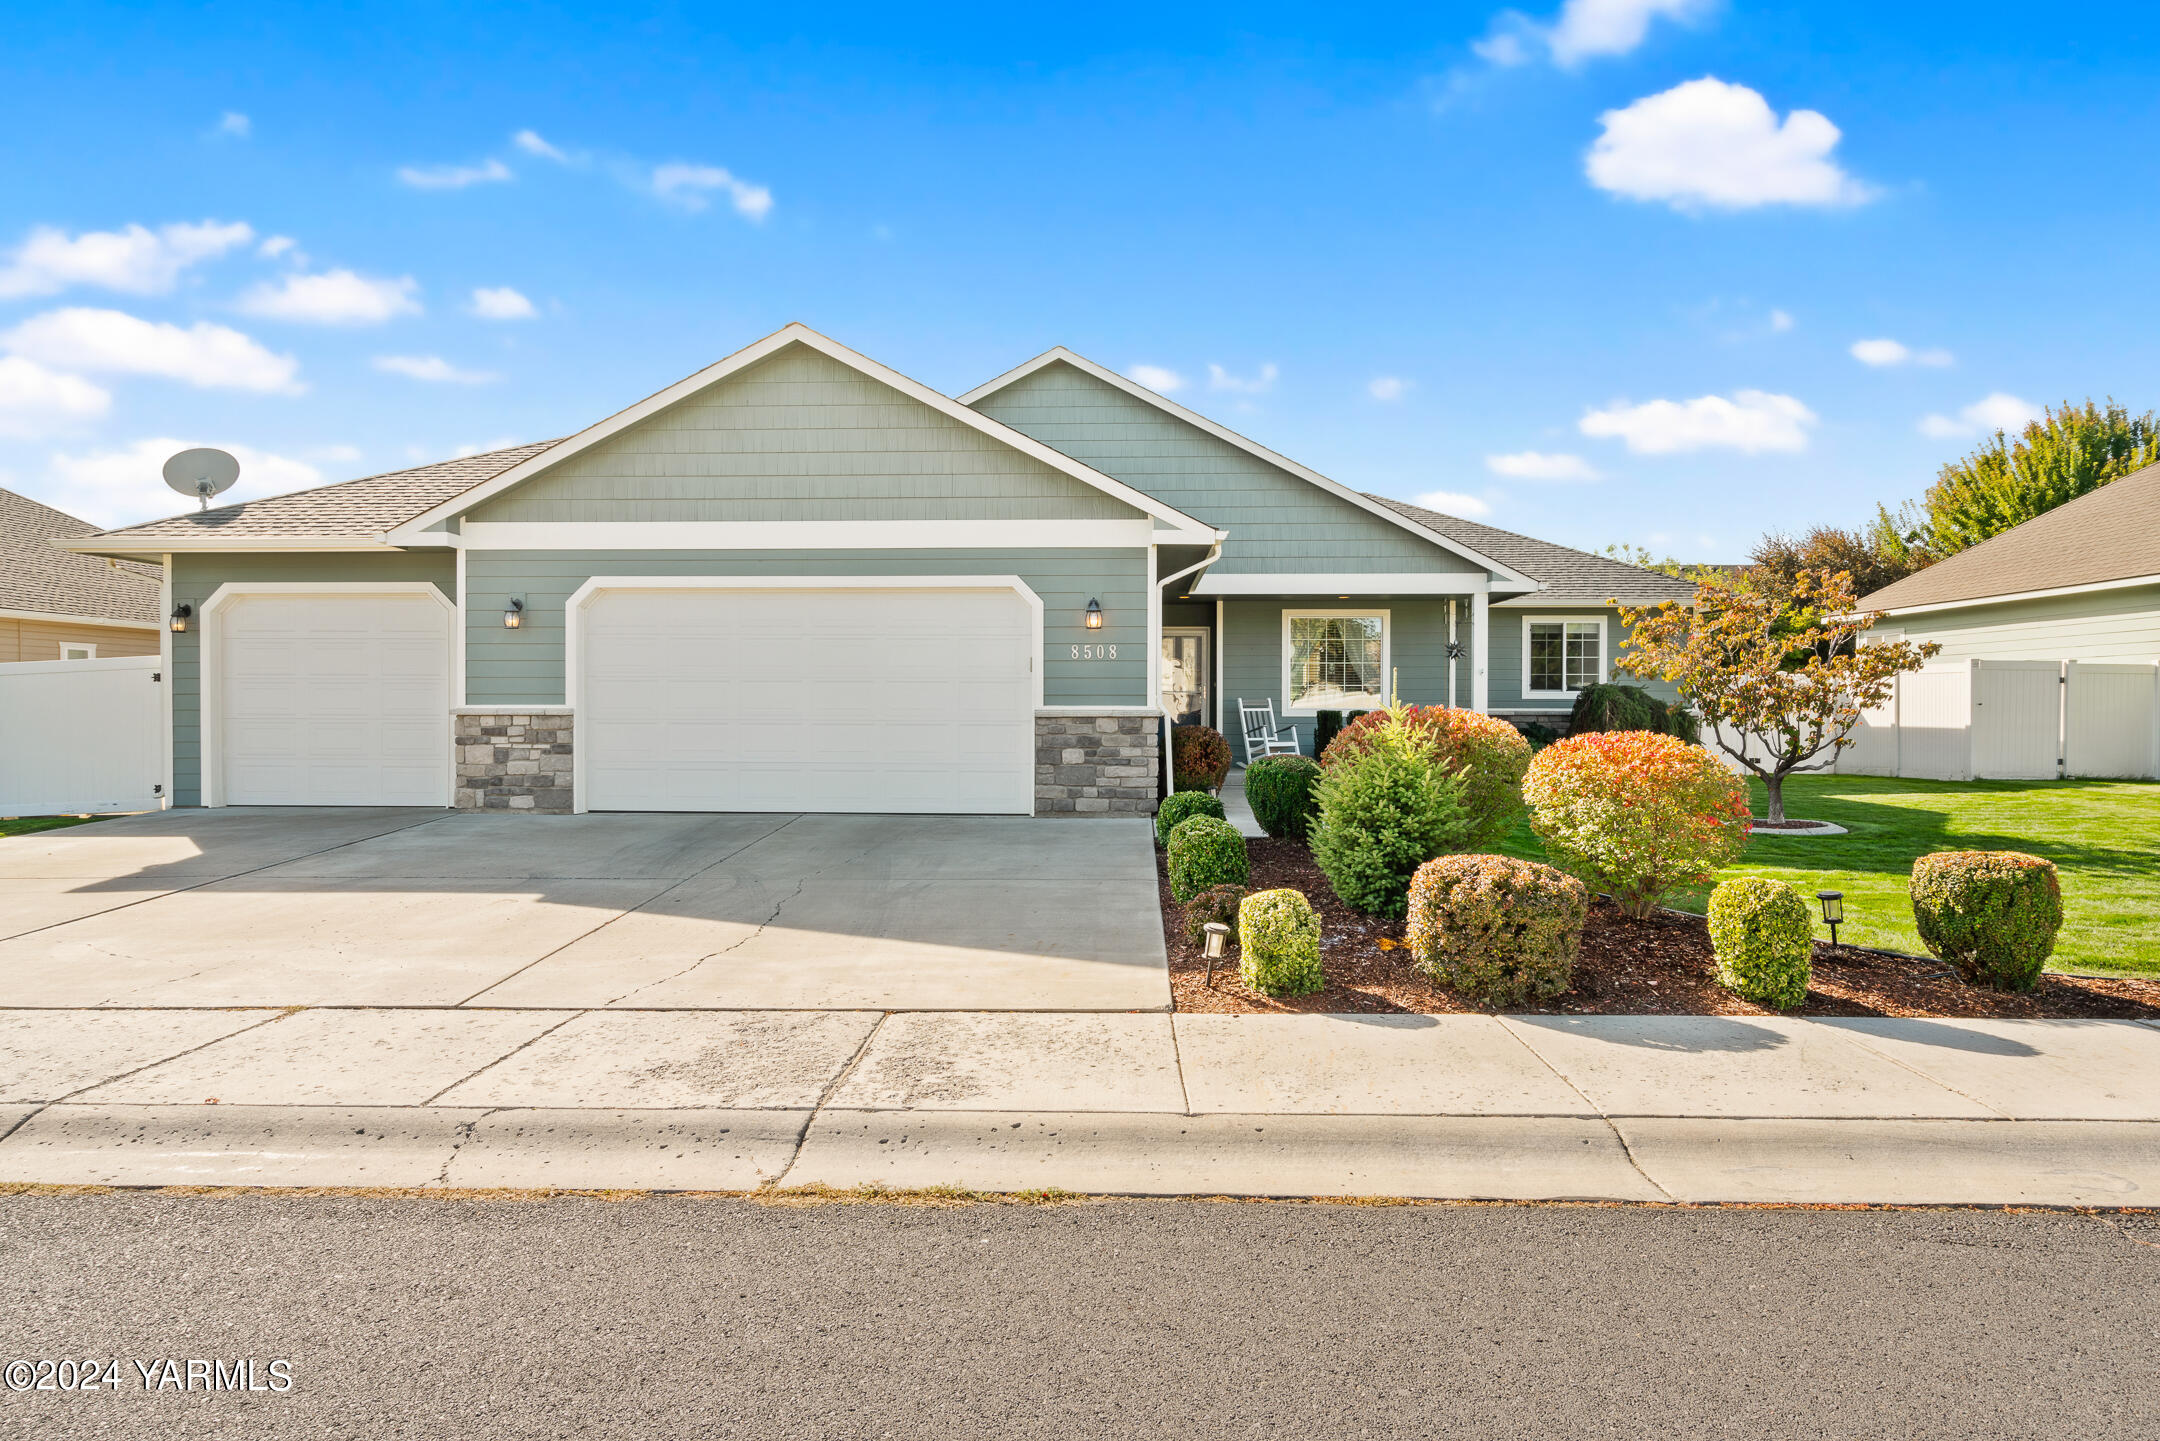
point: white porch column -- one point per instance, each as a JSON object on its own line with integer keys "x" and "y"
{"x": 1480, "y": 646}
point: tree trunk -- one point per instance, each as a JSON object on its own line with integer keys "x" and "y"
{"x": 1775, "y": 785}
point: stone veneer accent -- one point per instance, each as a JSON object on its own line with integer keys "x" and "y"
{"x": 514, "y": 761}
{"x": 1097, "y": 764}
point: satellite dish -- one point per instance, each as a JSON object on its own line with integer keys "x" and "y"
{"x": 202, "y": 473}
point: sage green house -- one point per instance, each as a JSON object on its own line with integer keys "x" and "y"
{"x": 800, "y": 581}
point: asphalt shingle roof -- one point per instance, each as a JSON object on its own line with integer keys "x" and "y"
{"x": 37, "y": 575}
{"x": 2112, "y": 533}
{"x": 354, "y": 508}
{"x": 1571, "y": 577}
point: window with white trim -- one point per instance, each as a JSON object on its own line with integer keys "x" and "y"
{"x": 77, "y": 650}
{"x": 1334, "y": 660}
{"x": 1563, "y": 654}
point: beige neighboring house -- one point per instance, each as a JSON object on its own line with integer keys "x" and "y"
{"x": 56, "y": 605}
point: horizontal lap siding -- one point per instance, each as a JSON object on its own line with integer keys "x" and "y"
{"x": 197, "y": 577}
{"x": 525, "y": 666}
{"x": 1504, "y": 673}
{"x": 2103, "y": 625}
{"x": 1253, "y": 655}
{"x": 801, "y": 437}
{"x": 1277, "y": 521}
{"x": 42, "y": 639}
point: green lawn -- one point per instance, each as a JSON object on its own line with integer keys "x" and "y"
{"x": 2104, "y": 836}
{"x": 25, "y": 825}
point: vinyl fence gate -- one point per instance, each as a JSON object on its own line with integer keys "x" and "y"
{"x": 82, "y": 736}
{"x": 2014, "y": 720}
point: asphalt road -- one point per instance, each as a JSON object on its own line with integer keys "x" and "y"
{"x": 687, "y": 1316}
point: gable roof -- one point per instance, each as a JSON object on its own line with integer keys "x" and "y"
{"x": 2108, "y": 536}
{"x": 1570, "y": 577}
{"x": 1192, "y": 531}
{"x": 351, "y": 512}
{"x": 38, "y": 577}
{"x": 1060, "y": 355}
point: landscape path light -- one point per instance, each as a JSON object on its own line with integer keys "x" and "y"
{"x": 1833, "y": 910}
{"x": 1218, "y": 936}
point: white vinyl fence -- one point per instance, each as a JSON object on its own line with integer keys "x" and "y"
{"x": 2014, "y": 720}
{"x": 81, "y": 736}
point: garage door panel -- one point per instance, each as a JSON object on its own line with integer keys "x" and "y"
{"x": 902, "y": 700}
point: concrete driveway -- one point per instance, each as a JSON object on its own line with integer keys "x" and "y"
{"x": 316, "y": 907}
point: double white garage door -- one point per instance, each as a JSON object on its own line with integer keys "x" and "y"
{"x": 902, "y": 700}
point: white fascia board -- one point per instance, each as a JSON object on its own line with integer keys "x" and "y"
{"x": 1249, "y": 446}
{"x": 55, "y": 618}
{"x": 1359, "y": 583}
{"x": 808, "y": 535}
{"x": 2094, "y": 586}
{"x": 794, "y": 334}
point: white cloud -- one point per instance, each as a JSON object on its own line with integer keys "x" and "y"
{"x": 1997, "y": 411}
{"x": 119, "y": 487}
{"x": 687, "y": 186}
{"x": 276, "y": 247}
{"x": 1890, "y": 352}
{"x": 335, "y": 454}
{"x": 1749, "y": 421}
{"x": 1583, "y": 30}
{"x": 501, "y": 303}
{"x": 530, "y": 142}
{"x": 1780, "y": 321}
{"x": 1387, "y": 387}
{"x": 1157, "y": 379}
{"x": 1709, "y": 144}
{"x": 1542, "y": 465}
{"x": 212, "y": 357}
{"x": 431, "y": 368}
{"x": 1221, "y": 379}
{"x": 1451, "y": 502}
{"x": 335, "y": 297}
{"x": 233, "y": 123}
{"x": 454, "y": 177}
{"x": 37, "y": 401}
{"x": 136, "y": 260}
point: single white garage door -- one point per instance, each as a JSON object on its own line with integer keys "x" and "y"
{"x": 913, "y": 701}
{"x": 333, "y": 700}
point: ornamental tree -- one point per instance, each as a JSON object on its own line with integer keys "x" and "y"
{"x": 1782, "y": 681}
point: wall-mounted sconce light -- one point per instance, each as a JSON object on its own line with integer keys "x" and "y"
{"x": 1833, "y": 910}
{"x": 180, "y": 616}
{"x": 1094, "y": 615}
{"x": 514, "y": 613}
{"x": 1218, "y": 936}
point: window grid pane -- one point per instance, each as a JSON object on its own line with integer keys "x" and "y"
{"x": 1335, "y": 661}
{"x": 1545, "y": 656}
{"x": 1582, "y": 654}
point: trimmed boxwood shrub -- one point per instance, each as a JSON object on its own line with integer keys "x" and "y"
{"x": 1279, "y": 944}
{"x": 1199, "y": 758}
{"x": 1216, "y": 903}
{"x": 1385, "y": 810}
{"x": 1183, "y": 806}
{"x": 1486, "y": 754}
{"x": 1992, "y": 914}
{"x": 1636, "y": 814}
{"x": 1496, "y": 930}
{"x": 1280, "y": 791}
{"x": 1764, "y": 940}
{"x": 1205, "y": 851}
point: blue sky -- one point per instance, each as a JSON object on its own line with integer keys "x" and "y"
{"x": 1596, "y": 270}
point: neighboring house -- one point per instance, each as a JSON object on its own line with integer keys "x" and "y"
{"x": 57, "y": 605}
{"x": 798, "y": 580}
{"x": 2080, "y": 582}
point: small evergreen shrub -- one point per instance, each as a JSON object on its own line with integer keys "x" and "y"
{"x": 1280, "y": 791}
{"x": 1992, "y": 914}
{"x": 1764, "y": 939}
{"x": 1486, "y": 754}
{"x": 1539, "y": 734}
{"x": 1183, "y": 806}
{"x": 1326, "y": 725}
{"x": 1385, "y": 810}
{"x": 1495, "y": 930}
{"x": 1637, "y": 814}
{"x": 1199, "y": 758}
{"x": 1614, "y": 707}
{"x": 1216, "y": 903}
{"x": 1279, "y": 944}
{"x": 1205, "y": 851}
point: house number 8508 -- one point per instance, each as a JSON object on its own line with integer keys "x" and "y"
{"x": 1094, "y": 652}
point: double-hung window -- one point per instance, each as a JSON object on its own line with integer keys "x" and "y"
{"x": 1562, "y": 655}
{"x": 1334, "y": 660}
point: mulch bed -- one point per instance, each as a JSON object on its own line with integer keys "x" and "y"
{"x": 1661, "y": 966}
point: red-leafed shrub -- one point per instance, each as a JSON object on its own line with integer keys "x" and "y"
{"x": 1199, "y": 758}
{"x": 1636, "y": 813}
{"x": 1485, "y": 754}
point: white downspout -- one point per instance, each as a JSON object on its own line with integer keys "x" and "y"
{"x": 1156, "y": 585}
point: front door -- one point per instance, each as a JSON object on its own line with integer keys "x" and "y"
{"x": 1185, "y": 673}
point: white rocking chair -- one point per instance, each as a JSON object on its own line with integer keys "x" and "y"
{"x": 1263, "y": 737}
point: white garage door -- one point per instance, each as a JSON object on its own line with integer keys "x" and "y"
{"x": 334, "y": 700}
{"x": 908, "y": 701}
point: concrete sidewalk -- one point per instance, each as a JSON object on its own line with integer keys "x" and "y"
{"x": 1685, "y": 1108}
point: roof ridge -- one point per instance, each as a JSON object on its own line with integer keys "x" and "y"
{"x": 88, "y": 527}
